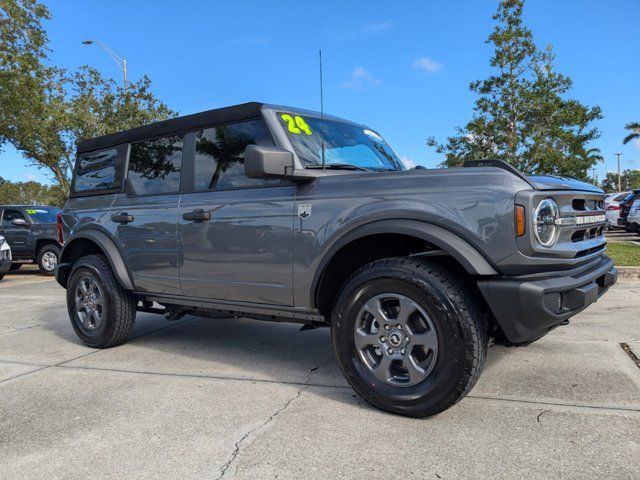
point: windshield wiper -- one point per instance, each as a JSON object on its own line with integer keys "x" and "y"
{"x": 339, "y": 166}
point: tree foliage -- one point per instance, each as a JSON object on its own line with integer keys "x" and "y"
{"x": 630, "y": 180}
{"x": 635, "y": 132}
{"x": 30, "y": 193}
{"x": 521, "y": 114}
{"x": 44, "y": 110}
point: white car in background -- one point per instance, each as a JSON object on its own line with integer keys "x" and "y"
{"x": 633, "y": 220}
{"x": 5, "y": 257}
{"x": 612, "y": 207}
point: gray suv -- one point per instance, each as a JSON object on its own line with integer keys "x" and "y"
{"x": 277, "y": 213}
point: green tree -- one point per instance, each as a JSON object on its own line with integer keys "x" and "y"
{"x": 30, "y": 193}
{"x": 629, "y": 179}
{"x": 635, "y": 132}
{"x": 521, "y": 115}
{"x": 51, "y": 110}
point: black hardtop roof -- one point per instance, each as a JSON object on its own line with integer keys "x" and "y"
{"x": 195, "y": 121}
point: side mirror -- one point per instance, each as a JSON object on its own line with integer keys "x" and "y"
{"x": 19, "y": 222}
{"x": 267, "y": 162}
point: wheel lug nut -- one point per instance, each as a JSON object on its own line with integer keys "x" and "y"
{"x": 383, "y": 339}
{"x": 399, "y": 327}
{"x": 390, "y": 351}
{"x": 403, "y": 351}
{"x": 387, "y": 327}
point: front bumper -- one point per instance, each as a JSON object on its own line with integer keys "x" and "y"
{"x": 526, "y": 308}
{"x": 5, "y": 261}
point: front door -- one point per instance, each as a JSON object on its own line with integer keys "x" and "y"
{"x": 17, "y": 236}
{"x": 144, "y": 218}
{"x": 236, "y": 232}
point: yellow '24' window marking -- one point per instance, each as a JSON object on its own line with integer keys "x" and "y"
{"x": 296, "y": 124}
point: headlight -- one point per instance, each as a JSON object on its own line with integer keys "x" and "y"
{"x": 545, "y": 227}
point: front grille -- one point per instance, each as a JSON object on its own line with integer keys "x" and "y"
{"x": 583, "y": 222}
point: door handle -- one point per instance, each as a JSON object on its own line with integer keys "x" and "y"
{"x": 122, "y": 218}
{"x": 197, "y": 216}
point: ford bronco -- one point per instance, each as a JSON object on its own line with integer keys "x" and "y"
{"x": 278, "y": 213}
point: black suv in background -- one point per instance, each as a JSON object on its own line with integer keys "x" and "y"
{"x": 32, "y": 235}
{"x": 625, "y": 207}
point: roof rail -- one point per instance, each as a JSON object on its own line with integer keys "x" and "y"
{"x": 498, "y": 164}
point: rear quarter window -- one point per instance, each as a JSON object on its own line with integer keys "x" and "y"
{"x": 99, "y": 172}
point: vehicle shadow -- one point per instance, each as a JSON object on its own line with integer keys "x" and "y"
{"x": 232, "y": 348}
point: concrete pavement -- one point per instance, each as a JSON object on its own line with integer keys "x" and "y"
{"x": 230, "y": 398}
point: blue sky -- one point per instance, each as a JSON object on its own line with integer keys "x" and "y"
{"x": 401, "y": 67}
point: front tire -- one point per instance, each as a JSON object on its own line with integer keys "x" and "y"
{"x": 48, "y": 257}
{"x": 102, "y": 313}
{"x": 409, "y": 336}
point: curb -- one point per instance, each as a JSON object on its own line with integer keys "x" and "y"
{"x": 628, "y": 274}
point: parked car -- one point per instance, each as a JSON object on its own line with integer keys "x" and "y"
{"x": 277, "y": 213}
{"x": 612, "y": 207}
{"x": 633, "y": 219}
{"x": 31, "y": 232}
{"x": 5, "y": 257}
{"x": 625, "y": 207}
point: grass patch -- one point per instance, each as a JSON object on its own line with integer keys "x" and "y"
{"x": 624, "y": 253}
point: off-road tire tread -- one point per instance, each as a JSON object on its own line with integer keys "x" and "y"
{"x": 472, "y": 318}
{"x": 122, "y": 307}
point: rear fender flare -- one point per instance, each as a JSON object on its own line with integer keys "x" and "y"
{"x": 110, "y": 250}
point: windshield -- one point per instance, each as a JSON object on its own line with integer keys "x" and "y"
{"x": 345, "y": 144}
{"x": 43, "y": 215}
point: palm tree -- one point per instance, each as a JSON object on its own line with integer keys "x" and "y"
{"x": 593, "y": 155}
{"x": 635, "y": 132}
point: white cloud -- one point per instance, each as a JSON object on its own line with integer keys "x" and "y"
{"x": 408, "y": 163}
{"x": 427, "y": 64}
{"x": 360, "y": 77}
{"x": 376, "y": 28}
{"x": 357, "y": 32}
{"x": 248, "y": 41}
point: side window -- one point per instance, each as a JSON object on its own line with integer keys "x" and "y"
{"x": 154, "y": 165}
{"x": 10, "y": 215}
{"x": 96, "y": 171}
{"x": 219, "y": 160}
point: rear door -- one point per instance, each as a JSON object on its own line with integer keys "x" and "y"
{"x": 18, "y": 236}
{"x": 144, "y": 218}
{"x": 236, "y": 232}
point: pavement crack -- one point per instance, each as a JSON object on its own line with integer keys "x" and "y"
{"x": 540, "y": 414}
{"x": 238, "y": 445}
{"x": 632, "y": 355}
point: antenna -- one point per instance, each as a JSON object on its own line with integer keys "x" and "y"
{"x": 321, "y": 109}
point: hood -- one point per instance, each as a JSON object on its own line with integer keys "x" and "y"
{"x": 542, "y": 182}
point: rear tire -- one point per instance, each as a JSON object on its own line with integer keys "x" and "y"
{"x": 48, "y": 257}
{"x": 102, "y": 313}
{"x": 15, "y": 267}
{"x": 432, "y": 302}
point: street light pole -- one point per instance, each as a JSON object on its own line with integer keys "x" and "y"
{"x": 619, "y": 176}
{"x": 120, "y": 61}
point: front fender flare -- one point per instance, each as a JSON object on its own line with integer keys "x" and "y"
{"x": 464, "y": 253}
{"x": 108, "y": 247}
